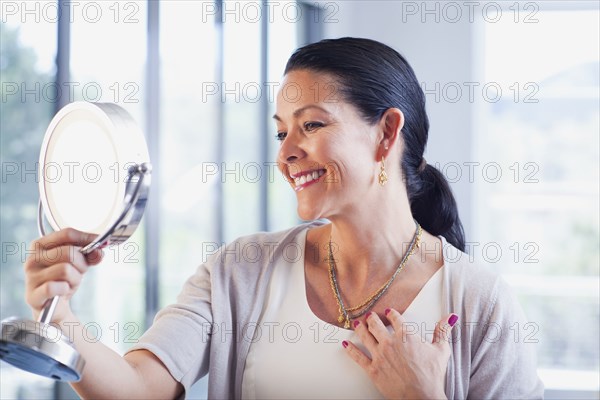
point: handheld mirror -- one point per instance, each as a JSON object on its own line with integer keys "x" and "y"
{"x": 94, "y": 176}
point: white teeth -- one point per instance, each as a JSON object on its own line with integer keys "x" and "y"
{"x": 311, "y": 176}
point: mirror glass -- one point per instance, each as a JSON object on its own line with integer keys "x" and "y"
{"x": 83, "y": 165}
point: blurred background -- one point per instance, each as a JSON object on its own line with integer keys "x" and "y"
{"x": 512, "y": 94}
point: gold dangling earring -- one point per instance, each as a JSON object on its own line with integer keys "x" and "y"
{"x": 382, "y": 175}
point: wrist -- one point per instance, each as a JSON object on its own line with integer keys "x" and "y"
{"x": 68, "y": 320}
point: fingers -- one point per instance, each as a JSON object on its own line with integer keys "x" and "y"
{"x": 42, "y": 257}
{"x": 94, "y": 257}
{"x": 376, "y": 327}
{"x": 55, "y": 265}
{"x": 371, "y": 332}
{"x": 62, "y": 272}
{"x": 61, "y": 254}
{"x": 365, "y": 336}
{"x": 64, "y": 237}
{"x": 395, "y": 319}
{"x": 441, "y": 334}
{"x": 403, "y": 330}
{"x": 37, "y": 298}
{"x": 356, "y": 354}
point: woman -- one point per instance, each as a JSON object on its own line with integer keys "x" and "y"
{"x": 365, "y": 306}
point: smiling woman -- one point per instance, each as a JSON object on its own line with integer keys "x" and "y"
{"x": 380, "y": 302}
{"x": 320, "y": 133}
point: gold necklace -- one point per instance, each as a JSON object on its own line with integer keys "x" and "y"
{"x": 345, "y": 314}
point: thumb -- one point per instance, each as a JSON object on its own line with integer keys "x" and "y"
{"x": 94, "y": 257}
{"x": 443, "y": 328}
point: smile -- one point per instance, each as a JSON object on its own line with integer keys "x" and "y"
{"x": 306, "y": 178}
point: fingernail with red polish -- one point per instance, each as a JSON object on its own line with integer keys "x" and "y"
{"x": 356, "y": 323}
{"x": 387, "y": 311}
{"x": 452, "y": 320}
{"x": 368, "y": 314}
{"x": 345, "y": 344}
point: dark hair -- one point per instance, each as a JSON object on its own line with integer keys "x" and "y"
{"x": 374, "y": 77}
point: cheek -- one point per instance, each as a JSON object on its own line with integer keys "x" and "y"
{"x": 353, "y": 162}
{"x": 358, "y": 171}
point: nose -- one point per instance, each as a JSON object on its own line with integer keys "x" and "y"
{"x": 290, "y": 150}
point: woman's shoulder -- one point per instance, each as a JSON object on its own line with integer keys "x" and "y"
{"x": 263, "y": 248}
{"x": 473, "y": 282}
{"x": 468, "y": 269}
{"x": 275, "y": 239}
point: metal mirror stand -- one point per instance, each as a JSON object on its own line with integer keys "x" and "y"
{"x": 39, "y": 346}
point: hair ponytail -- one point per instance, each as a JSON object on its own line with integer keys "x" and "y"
{"x": 374, "y": 77}
{"x": 433, "y": 205}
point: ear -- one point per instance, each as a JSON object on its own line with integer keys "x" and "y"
{"x": 390, "y": 125}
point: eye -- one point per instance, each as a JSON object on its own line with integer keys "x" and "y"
{"x": 280, "y": 136}
{"x": 311, "y": 126}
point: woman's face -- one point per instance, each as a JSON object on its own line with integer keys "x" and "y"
{"x": 327, "y": 151}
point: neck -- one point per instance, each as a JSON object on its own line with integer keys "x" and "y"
{"x": 369, "y": 243}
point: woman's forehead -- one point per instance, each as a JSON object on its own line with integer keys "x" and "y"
{"x": 303, "y": 88}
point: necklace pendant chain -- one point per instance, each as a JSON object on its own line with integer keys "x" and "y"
{"x": 347, "y": 324}
{"x": 345, "y": 312}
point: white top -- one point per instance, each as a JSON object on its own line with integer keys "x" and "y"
{"x": 296, "y": 355}
{"x": 209, "y": 330}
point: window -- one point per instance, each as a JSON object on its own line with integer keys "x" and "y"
{"x": 538, "y": 148}
{"x": 107, "y": 56}
{"x": 27, "y": 100}
{"x": 219, "y": 178}
{"x": 214, "y": 172}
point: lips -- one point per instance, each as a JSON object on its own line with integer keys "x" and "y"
{"x": 306, "y": 178}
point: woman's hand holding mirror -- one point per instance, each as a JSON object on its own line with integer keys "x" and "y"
{"x": 55, "y": 267}
{"x": 94, "y": 179}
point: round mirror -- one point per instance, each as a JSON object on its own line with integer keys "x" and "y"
{"x": 92, "y": 161}
{"x": 94, "y": 175}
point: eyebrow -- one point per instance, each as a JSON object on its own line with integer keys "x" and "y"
{"x": 299, "y": 111}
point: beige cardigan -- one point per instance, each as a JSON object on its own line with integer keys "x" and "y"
{"x": 209, "y": 329}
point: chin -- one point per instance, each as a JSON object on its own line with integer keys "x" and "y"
{"x": 308, "y": 212}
